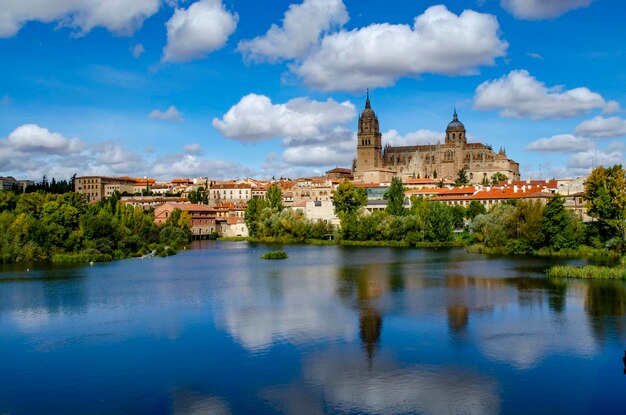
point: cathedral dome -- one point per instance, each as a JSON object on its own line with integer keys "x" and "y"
{"x": 455, "y": 124}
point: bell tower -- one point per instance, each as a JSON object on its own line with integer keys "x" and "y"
{"x": 369, "y": 145}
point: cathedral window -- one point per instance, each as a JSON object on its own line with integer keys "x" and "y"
{"x": 453, "y": 136}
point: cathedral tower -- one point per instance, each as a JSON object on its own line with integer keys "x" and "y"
{"x": 455, "y": 133}
{"x": 369, "y": 145}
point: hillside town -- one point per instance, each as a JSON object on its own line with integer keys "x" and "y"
{"x": 222, "y": 204}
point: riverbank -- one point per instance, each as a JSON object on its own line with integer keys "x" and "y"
{"x": 459, "y": 243}
{"x": 581, "y": 252}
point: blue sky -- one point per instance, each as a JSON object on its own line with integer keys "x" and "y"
{"x": 230, "y": 89}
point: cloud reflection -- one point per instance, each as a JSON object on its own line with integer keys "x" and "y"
{"x": 344, "y": 382}
{"x": 284, "y": 307}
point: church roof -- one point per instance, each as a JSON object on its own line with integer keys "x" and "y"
{"x": 455, "y": 124}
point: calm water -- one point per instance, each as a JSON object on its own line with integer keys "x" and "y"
{"x": 216, "y": 330}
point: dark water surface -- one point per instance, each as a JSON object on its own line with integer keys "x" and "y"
{"x": 217, "y": 330}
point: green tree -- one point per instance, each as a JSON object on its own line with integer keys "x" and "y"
{"x": 440, "y": 222}
{"x": 561, "y": 228}
{"x": 275, "y": 197}
{"x": 253, "y": 214}
{"x": 199, "y": 196}
{"x": 498, "y": 177}
{"x": 474, "y": 209}
{"x": 7, "y": 200}
{"x": 605, "y": 196}
{"x": 348, "y": 200}
{"x": 461, "y": 179}
{"x": 395, "y": 197}
{"x": 458, "y": 216}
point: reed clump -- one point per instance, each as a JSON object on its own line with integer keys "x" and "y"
{"x": 274, "y": 255}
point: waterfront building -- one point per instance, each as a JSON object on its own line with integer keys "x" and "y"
{"x": 203, "y": 218}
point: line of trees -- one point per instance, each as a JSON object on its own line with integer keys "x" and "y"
{"x": 268, "y": 220}
{"x": 42, "y": 226}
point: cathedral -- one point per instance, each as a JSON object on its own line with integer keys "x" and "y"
{"x": 435, "y": 161}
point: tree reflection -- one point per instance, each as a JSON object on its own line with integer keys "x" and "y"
{"x": 604, "y": 301}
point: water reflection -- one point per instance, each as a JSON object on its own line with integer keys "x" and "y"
{"x": 193, "y": 403}
{"x": 605, "y": 303}
{"x": 331, "y": 330}
{"x": 340, "y": 382}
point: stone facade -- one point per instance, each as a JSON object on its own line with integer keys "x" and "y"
{"x": 436, "y": 161}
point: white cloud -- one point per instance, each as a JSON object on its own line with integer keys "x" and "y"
{"x": 611, "y": 107}
{"x": 118, "y": 16}
{"x": 193, "y": 149}
{"x": 302, "y": 26}
{"x": 137, "y": 50}
{"x": 377, "y": 55}
{"x": 561, "y": 143}
{"x": 585, "y": 160}
{"x": 394, "y": 138}
{"x": 333, "y": 148}
{"x": 534, "y": 55}
{"x": 601, "y": 127}
{"x": 519, "y": 94}
{"x": 31, "y": 138}
{"x": 31, "y": 151}
{"x": 188, "y": 165}
{"x": 171, "y": 114}
{"x": 256, "y": 118}
{"x": 195, "y": 32}
{"x": 541, "y": 9}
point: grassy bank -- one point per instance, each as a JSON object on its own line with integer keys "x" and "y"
{"x": 581, "y": 252}
{"x": 589, "y": 271}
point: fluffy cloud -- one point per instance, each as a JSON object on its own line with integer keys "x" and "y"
{"x": 302, "y": 26}
{"x": 119, "y": 16}
{"x": 195, "y": 32}
{"x": 585, "y": 160}
{"x": 377, "y": 55}
{"x": 541, "y": 9}
{"x": 519, "y": 94}
{"x": 561, "y": 143}
{"x": 334, "y": 148}
{"x": 31, "y": 151}
{"x": 171, "y": 114}
{"x": 601, "y": 127}
{"x": 31, "y": 138}
{"x": 255, "y": 118}
{"x": 188, "y": 165}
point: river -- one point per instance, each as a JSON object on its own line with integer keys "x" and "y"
{"x": 217, "y": 330}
